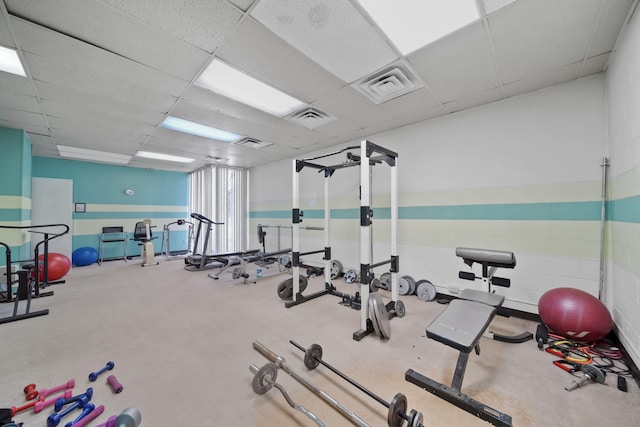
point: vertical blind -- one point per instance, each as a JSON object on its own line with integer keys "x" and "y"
{"x": 220, "y": 194}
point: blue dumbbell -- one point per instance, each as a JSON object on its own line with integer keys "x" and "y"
{"x": 85, "y": 411}
{"x": 61, "y": 403}
{"x": 94, "y": 375}
{"x": 54, "y": 419}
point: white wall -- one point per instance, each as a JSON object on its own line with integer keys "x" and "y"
{"x": 623, "y": 96}
{"x": 535, "y": 151}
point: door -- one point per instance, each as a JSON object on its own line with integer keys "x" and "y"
{"x": 52, "y": 203}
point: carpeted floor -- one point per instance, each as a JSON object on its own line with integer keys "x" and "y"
{"x": 182, "y": 346}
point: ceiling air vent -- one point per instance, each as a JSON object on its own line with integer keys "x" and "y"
{"x": 252, "y": 143}
{"x": 311, "y": 118}
{"x": 389, "y": 83}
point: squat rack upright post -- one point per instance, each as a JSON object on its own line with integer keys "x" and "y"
{"x": 370, "y": 154}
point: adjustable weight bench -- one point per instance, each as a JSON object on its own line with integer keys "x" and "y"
{"x": 490, "y": 260}
{"x": 460, "y": 326}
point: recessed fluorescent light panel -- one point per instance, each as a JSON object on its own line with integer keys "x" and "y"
{"x": 10, "y": 62}
{"x": 411, "y": 24}
{"x": 93, "y": 155}
{"x": 198, "y": 129}
{"x": 232, "y": 83}
{"x": 160, "y": 156}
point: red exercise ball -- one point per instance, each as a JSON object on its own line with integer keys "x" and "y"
{"x": 574, "y": 314}
{"x": 58, "y": 266}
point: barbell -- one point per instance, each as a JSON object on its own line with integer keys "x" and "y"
{"x": 397, "y": 413}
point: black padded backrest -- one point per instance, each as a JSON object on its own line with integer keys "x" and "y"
{"x": 112, "y": 230}
{"x": 140, "y": 232}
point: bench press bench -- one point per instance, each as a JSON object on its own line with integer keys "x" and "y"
{"x": 461, "y": 325}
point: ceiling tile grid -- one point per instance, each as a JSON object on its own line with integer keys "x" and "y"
{"x": 104, "y": 74}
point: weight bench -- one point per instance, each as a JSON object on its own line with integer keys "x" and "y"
{"x": 462, "y": 324}
{"x": 490, "y": 260}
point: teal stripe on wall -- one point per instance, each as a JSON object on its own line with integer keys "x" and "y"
{"x": 270, "y": 214}
{"x": 128, "y": 215}
{"x": 569, "y": 211}
{"x": 15, "y": 214}
{"x": 624, "y": 210}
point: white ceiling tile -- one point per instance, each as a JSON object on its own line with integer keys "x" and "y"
{"x": 25, "y": 122}
{"x": 6, "y": 39}
{"x": 102, "y": 25}
{"x": 24, "y": 117}
{"x": 542, "y": 80}
{"x": 476, "y": 100}
{"x": 610, "y": 20}
{"x": 19, "y": 101}
{"x": 195, "y": 113}
{"x": 14, "y": 83}
{"x": 213, "y": 101}
{"x": 332, "y": 33}
{"x": 530, "y": 37}
{"x": 57, "y": 73}
{"x": 594, "y": 65}
{"x": 49, "y": 44}
{"x": 59, "y": 100}
{"x": 491, "y": 6}
{"x": 458, "y": 64}
{"x": 261, "y": 54}
{"x": 203, "y": 23}
{"x": 348, "y": 104}
{"x": 93, "y": 138}
{"x": 242, "y": 4}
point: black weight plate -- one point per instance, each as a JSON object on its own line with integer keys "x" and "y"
{"x": 312, "y": 356}
{"x": 400, "y": 309}
{"x": 285, "y": 289}
{"x": 380, "y": 315}
{"x": 385, "y": 281}
{"x": 397, "y": 408}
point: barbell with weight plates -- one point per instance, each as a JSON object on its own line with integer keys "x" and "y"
{"x": 397, "y": 413}
{"x": 265, "y": 378}
{"x": 285, "y": 288}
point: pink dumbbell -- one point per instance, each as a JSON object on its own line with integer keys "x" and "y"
{"x": 46, "y": 392}
{"x": 92, "y": 415}
{"x": 110, "y": 422}
{"x": 115, "y": 385}
{"x": 41, "y": 404}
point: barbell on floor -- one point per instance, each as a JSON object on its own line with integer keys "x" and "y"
{"x": 264, "y": 378}
{"x": 279, "y": 361}
{"x": 397, "y": 407}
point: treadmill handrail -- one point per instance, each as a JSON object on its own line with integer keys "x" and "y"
{"x": 204, "y": 219}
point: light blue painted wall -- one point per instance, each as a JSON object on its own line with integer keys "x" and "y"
{"x": 161, "y": 196}
{"x": 15, "y": 191}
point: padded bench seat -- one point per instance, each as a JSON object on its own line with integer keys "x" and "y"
{"x": 493, "y": 300}
{"x": 462, "y": 324}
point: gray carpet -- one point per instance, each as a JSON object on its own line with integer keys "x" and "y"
{"x": 182, "y": 346}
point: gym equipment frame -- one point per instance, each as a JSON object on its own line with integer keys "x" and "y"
{"x": 29, "y": 275}
{"x": 165, "y": 247}
{"x": 370, "y": 155}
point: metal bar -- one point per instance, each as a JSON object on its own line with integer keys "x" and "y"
{"x": 254, "y": 369}
{"x": 346, "y": 378}
{"x": 603, "y": 221}
{"x": 459, "y": 399}
{"x": 279, "y": 361}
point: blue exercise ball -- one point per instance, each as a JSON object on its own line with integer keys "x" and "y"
{"x": 84, "y": 256}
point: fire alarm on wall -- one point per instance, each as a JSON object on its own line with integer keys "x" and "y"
{"x": 128, "y": 192}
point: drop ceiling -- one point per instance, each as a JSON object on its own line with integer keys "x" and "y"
{"x": 104, "y": 74}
